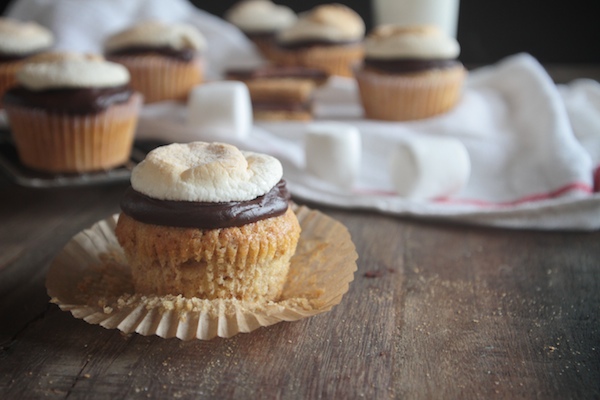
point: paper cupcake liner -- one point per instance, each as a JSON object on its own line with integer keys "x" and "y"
{"x": 409, "y": 97}
{"x": 335, "y": 60}
{"x": 70, "y": 143}
{"x": 265, "y": 44}
{"x": 250, "y": 262}
{"x": 91, "y": 279}
{"x": 161, "y": 78}
{"x": 8, "y": 76}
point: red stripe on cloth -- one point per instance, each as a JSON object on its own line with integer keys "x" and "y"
{"x": 577, "y": 186}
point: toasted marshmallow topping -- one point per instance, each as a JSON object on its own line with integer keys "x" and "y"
{"x": 157, "y": 34}
{"x": 260, "y": 16}
{"x": 23, "y": 37}
{"x": 207, "y": 172}
{"x": 71, "y": 70}
{"x": 330, "y": 22}
{"x": 59, "y": 56}
{"x": 421, "y": 42}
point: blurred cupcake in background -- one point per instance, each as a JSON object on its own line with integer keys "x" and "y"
{"x": 280, "y": 93}
{"x": 409, "y": 72}
{"x": 72, "y": 113}
{"x": 260, "y": 21}
{"x": 165, "y": 60}
{"x": 18, "y": 41}
{"x": 329, "y": 37}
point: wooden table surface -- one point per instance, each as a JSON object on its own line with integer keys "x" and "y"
{"x": 436, "y": 310}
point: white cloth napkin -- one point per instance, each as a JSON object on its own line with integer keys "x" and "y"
{"x": 533, "y": 145}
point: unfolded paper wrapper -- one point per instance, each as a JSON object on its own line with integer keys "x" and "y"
{"x": 91, "y": 279}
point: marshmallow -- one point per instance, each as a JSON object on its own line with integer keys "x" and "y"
{"x": 17, "y": 37}
{"x": 429, "y": 167}
{"x": 221, "y": 108}
{"x": 260, "y": 16}
{"x": 418, "y": 41}
{"x": 329, "y": 22}
{"x": 209, "y": 172}
{"x": 157, "y": 34}
{"x": 71, "y": 71}
{"x": 333, "y": 152}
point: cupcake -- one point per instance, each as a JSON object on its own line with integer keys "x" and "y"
{"x": 18, "y": 41}
{"x": 409, "y": 73}
{"x": 328, "y": 37}
{"x": 207, "y": 220}
{"x": 280, "y": 93}
{"x": 72, "y": 113}
{"x": 260, "y": 20}
{"x": 165, "y": 61}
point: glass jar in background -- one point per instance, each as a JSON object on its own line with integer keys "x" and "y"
{"x": 443, "y": 13}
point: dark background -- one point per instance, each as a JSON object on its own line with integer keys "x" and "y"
{"x": 552, "y": 31}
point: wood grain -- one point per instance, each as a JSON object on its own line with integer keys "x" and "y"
{"x": 435, "y": 311}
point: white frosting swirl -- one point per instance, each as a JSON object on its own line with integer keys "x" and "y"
{"x": 420, "y": 42}
{"x": 21, "y": 38}
{"x": 330, "y": 22}
{"x": 210, "y": 172}
{"x": 260, "y": 16}
{"x": 177, "y": 36}
{"x": 71, "y": 71}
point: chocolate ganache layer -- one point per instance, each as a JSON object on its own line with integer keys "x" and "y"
{"x": 281, "y": 106}
{"x": 401, "y": 66}
{"x": 8, "y": 57}
{"x": 303, "y": 44}
{"x": 279, "y": 72}
{"x": 266, "y": 34}
{"x": 78, "y": 101}
{"x": 205, "y": 215}
{"x": 178, "y": 54}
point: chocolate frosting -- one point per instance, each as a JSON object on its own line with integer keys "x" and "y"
{"x": 277, "y": 72}
{"x": 266, "y": 34}
{"x": 78, "y": 101}
{"x": 178, "y": 54}
{"x": 7, "y": 57}
{"x": 205, "y": 215}
{"x": 281, "y": 106}
{"x": 302, "y": 44}
{"x": 408, "y": 64}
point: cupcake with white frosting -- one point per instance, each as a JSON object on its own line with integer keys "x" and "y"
{"x": 165, "y": 60}
{"x": 72, "y": 113}
{"x": 329, "y": 37}
{"x": 409, "y": 72}
{"x": 207, "y": 220}
{"x": 260, "y": 20}
{"x": 18, "y": 41}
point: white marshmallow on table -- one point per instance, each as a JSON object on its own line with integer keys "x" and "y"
{"x": 221, "y": 108}
{"x": 429, "y": 167}
{"x": 333, "y": 152}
